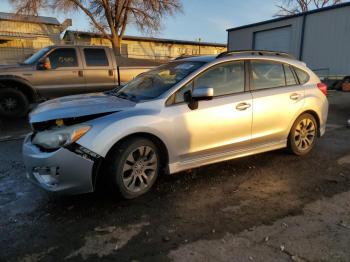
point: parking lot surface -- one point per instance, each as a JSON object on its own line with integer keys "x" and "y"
{"x": 269, "y": 207}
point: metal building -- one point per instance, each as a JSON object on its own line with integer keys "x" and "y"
{"x": 23, "y": 35}
{"x": 321, "y": 38}
{"x": 148, "y": 47}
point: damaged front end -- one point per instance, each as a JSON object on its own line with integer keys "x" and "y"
{"x": 56, "y": 162}
{"x": 53, "y": 157}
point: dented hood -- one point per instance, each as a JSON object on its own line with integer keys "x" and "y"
{"x": 78, "y": 105}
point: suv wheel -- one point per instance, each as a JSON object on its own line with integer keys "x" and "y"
{"x": 303, "y": 135}
{"x": 133, "y": 167}
{"x": 13, "y": 103}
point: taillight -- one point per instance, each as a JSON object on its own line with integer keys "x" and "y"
{"x": 323, "y": 88}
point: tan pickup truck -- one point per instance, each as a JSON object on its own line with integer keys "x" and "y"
{"x": 56, "y": 71}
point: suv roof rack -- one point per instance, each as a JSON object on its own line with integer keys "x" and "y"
{"x": 256, "y": 52}
{"x": 185, "y": 56}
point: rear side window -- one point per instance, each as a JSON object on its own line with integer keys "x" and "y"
{"x": 63, "y": 57}
{"x": 267, "y": 74}
{"x": 95, "y": 57}
{"x": 302, "y": 75}
{"x": 290, "y": 79}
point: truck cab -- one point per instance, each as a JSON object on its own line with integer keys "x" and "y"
{"x": 57, "y": 71}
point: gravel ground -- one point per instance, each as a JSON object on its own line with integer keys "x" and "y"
{"x": 269, "y": 207}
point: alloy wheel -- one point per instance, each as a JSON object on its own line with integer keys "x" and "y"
{"x": 139, "y": 169}
{"x": 305, "y": 133}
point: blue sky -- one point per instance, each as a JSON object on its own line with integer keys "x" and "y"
{"x": 205, "y": 19}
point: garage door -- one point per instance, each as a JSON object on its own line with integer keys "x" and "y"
{"x": 275, "y": 39}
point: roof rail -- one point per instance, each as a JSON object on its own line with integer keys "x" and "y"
{"x": 185, "y": 56}
{"x": 256, "y": 52}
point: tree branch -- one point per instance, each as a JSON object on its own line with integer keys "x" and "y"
{"x": 91, "y": 16}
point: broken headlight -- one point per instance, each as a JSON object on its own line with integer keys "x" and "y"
{"x": 60, "y": 136}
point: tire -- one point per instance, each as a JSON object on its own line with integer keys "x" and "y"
{"x": 133, "y": 167}
{"x": 303, "y": 135}
{"x": 13, "y": 103}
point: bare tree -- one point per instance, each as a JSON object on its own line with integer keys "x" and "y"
{"x": 110, "y": 17}
{"x": 291, "y": 7}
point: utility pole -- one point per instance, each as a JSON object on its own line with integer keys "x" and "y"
{"x": 199, "y": 46}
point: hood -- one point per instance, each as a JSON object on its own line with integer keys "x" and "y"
{"x": 14, "y": 67}
{"x": 77, "y": 106}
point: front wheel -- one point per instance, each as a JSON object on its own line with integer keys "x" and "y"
{"x": 303, "y": 135}
{"x": 133, "y": 167}
{"x": 13, "y": 103}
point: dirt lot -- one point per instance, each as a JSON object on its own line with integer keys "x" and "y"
{"x": 269, "y": 207}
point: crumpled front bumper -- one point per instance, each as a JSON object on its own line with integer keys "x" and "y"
{"x": 61, "y": 171}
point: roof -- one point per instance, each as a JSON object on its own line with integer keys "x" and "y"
{"x": 29, "y": 18}
{"x": 291, "y": 16}
{"x": 148, "y": 39}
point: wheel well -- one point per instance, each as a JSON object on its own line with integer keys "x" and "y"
{"x": 315, "y": 115}
{"x": 164, "y": 154}
{"x": 27, "y": 90}
{"x": 98, "y": 177}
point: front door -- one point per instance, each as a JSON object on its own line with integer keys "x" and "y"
{"x": 218, "y": 126}
{"x": 277, "y": 99}
{"x": 65, "y": 76}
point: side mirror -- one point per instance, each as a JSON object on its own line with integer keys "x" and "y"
{"x": 199, "y": 93}
{"x": 202, "y": 93}
{"x": 44, "y": 64}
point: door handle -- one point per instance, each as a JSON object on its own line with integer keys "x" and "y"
{"x": 242, "y": 106}
{"x": 80, "y": 73}
{"x": 110, "y": 72}
{"x": 294, "y": 96}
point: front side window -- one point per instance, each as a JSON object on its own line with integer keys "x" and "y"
{"x": 63, "y": 57}
{"x": 95, "y": 57}
{"x": 266, "y": 74}
{"x": 153, "y": 83}
{"x": 225, "y": 79}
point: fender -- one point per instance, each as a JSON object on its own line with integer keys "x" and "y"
{"x": 34, "y": 94}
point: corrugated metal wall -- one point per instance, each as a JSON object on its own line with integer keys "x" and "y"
{"x": 244, "y": 39}
{"x": 327, "y": 42}
{"x": 19, "y": 40}
{"x": 326, "y": 47}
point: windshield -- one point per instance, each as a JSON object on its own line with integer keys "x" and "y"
{"x": 155, "y": 82}
{"x": 34, "y": 58}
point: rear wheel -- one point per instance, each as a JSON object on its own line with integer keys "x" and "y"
{"x": 13, "y": 103}
{"x": 303, "y": 135}
{"x": 133, "y": 167}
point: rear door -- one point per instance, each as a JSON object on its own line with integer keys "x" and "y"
{"x": 98, "y": 69}
{"x": 277, "y": 99}
{"x": 65, "y": 76}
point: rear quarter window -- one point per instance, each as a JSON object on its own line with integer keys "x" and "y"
{"x": 302, "y": 75}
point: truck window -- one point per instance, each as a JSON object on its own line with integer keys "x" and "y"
{"x": 63, "y": 57}
{"x": 95, "y": 57}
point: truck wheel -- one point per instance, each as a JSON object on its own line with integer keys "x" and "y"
{"x": 133, "y": 167}
{"x": 13, "y": 103}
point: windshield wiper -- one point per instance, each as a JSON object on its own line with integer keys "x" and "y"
{"x": 124, "y": 95}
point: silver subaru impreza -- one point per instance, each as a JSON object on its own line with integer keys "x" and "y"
{"x": 185, "y": 114}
